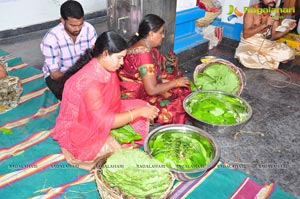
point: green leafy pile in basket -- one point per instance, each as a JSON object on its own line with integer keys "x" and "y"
{"x": 218, "y": 76}
{"x": 136, "y": 174}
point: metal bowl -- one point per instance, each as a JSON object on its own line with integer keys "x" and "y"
{"x": 218, "y": 128}
{"x": 186, "y": 175}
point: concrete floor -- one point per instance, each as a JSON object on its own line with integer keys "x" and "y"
{"x": 268, "y": 145}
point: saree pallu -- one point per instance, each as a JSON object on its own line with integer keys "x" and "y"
{"x": 140, "y": 62}
{"x": 259, "y": 53}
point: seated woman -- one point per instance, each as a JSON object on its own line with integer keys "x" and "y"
{"x": 148, "y": 75}
{"x": 91, "y": 105}
{"x": 10, "y": 89}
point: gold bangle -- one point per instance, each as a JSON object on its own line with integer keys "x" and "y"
{"x": 131, "y": 116}
{"x": 177, "y": 83}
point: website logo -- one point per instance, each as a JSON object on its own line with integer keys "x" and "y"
{"x": 233, "y": 13}
{"x": 269, "y": 10}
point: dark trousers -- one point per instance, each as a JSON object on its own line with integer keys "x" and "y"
{"x": 55, "y": 86}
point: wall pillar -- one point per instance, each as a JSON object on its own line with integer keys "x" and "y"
{"x": 166, "y": 9}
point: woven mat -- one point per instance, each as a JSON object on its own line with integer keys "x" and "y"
{"x": 32, "y": 165}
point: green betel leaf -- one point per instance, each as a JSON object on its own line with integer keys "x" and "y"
{"x": 216, "y": 108}
{"x": 136, "y": 174}
{"x": 6, "y": 131}
{"x": 185, "y": 151}
{"x": 192, "y": 86}
{"x": 218, "y": 76}
{"x": 125, "y": 134}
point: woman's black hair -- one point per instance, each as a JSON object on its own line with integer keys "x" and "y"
{"x": 150, "y": 22}
{"x": 109, "y": 40}
{"x": 72, "y": 9}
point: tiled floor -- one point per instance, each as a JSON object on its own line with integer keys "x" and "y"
{"x": 268, "y": 145}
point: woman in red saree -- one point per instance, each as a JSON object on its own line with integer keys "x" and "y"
{"x": 91, "y": 105}
{"x": 148, "y": 75}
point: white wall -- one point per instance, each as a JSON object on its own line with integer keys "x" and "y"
{"x": 22, "y": 13}
{"x": 185, "y": 4}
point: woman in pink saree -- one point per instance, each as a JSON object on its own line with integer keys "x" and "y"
{"x": 91, "y": 105}
{"x": 150, "y": 76}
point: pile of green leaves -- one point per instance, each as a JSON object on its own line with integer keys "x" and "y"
{"x": 218, "y": 76}
{"x": 181, "y": 150}
{"x": 125, "y": 134}
{"x": 136, "y": 174}
{"x": 217, "y": 108}
{"x": 193, "y": 87}
{"x": 6, "y": 131}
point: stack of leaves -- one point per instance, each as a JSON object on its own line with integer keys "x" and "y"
{"x": 125, "y": 134}
{"x": 218, "y": 76}
{"x": 183, "y": 151}
{"x": 136, "y": 174}
{"x": 217, "y": 108}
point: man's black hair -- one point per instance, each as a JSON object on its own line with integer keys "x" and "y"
{"x": 72, "y": 9}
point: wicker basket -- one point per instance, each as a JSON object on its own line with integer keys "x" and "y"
{"x": 106, "y": 192}
{"x": 207, "y": 19}
{"x": 241, "y": 75}
{"x": 209, "y": 16}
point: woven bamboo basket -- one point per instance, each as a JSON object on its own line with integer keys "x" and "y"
{"x": 240, "y": 74}
{"x": 207, "y": 19}
{"x": 107, "y": 192}
{"x": 209, "y": 16}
